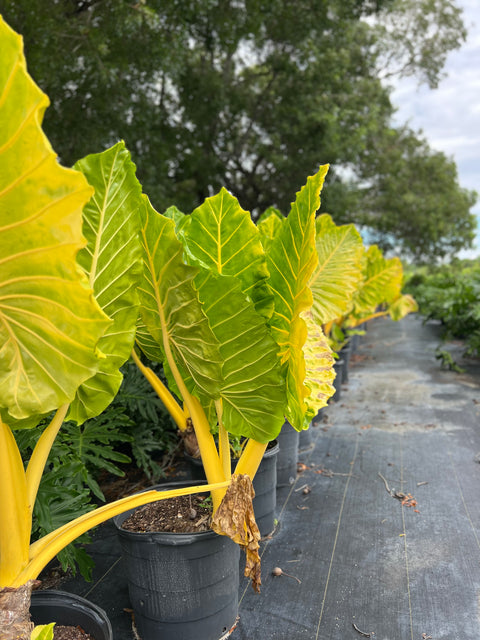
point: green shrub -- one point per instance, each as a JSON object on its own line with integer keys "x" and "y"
{"x": 451, "y": 294}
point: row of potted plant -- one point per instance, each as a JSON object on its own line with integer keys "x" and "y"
{"x": 91, "y": 275}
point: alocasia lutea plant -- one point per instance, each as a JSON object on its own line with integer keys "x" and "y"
{"x": 230, "y": 323}
{"x": 226, "y": 316}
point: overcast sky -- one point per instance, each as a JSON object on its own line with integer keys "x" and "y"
{"x": 450, "y": 115}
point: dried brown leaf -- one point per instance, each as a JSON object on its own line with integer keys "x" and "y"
{"x": 235, "y": 519}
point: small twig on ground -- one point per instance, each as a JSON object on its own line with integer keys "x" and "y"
{"x": 406, "y": 499}
{"x": 420, "y": 484}
{"x": 305, "y": 486}
{"x": 386, "y": 483}
{"x": 363, "y": 633}
{"x": 328, "y": 473}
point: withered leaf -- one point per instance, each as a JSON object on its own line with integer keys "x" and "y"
{"x": 235, "y": 519}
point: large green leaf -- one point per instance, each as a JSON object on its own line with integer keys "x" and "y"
{"x": 50, "y": 322}
{"x": 291, "y": 260}
{"x": 221, "y": 236}
{"x": 150, "y": 347}
{"x": 112, "y": 261}
{"x": 170, "y": 308}
{"x": 382, "y": 282}
{"x": 253, "y": 391}
{"x": 339, "y": 270}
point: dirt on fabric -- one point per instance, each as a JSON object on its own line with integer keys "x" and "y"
{"x": 183, "y": 514}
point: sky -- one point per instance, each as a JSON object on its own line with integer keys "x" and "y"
{"x": 449, "y": 116}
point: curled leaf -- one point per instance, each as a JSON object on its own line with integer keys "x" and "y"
{"x": 235, "y": 518}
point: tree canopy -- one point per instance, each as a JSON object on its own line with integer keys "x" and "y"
{"x": 411, "y": 199}
{"x": 247, "y": 94}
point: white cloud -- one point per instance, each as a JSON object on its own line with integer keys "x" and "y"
{"x": 450, "y": 115}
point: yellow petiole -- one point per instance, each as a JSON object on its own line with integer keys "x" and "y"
{"x": 251, "y": 458}
{"x": 163, "y": 393}
{"x": 40, "y": 454}
{"x": 42, "y": 551}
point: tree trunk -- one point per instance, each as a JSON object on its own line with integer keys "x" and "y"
{"x": 15, "y": 621}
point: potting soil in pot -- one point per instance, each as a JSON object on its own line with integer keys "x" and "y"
{"x": 61, "y": 632}
{"x": 183, "y": 514}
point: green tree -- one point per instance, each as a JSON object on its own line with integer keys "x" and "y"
{"x": 414, "y": 38}
{"x": 412, "y": 200}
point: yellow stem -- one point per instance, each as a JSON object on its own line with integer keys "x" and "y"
{"x": 251, "y": 458}
{"x": 223, "y": 441}
{"x": 15, "y": 516}
{"x": 42, "y": 551}
{"x": 163, "y": 393}
{"x": 40, "y": 454}
{"x": 356, "y": 323}
{"x": 206, "y": 444}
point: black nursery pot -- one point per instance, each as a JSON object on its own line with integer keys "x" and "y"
{"x": 182, "y": 586}
{"x": 354, "y": 342}
{"x": 71, "y": 610}
{"x": 287, "y": 456}
{"x": 345, "y": 354}
{"x": 264, "y": 485}
{"x": 305, "y": 440}
{"x": 337, "y": 383}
